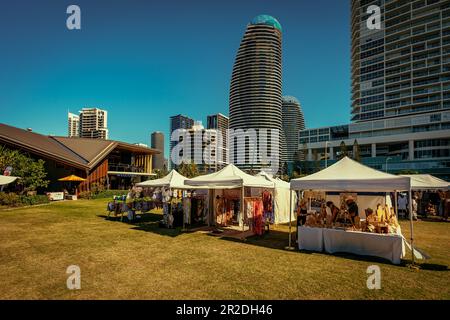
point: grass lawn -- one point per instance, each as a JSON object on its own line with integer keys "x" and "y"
{"x": 141, "y": 261}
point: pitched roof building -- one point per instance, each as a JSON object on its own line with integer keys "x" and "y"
{"x": 116, "y": 164}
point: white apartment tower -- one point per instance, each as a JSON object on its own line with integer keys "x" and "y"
{"x": 73, "y": 125}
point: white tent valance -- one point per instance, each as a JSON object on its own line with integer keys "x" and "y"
{"x": 4, "y": 180}
{"x": 230, "y": 177}
{"x": 348, "y": 175}
{"x": 427, "y": 182}
{"x": 173, "y": 180}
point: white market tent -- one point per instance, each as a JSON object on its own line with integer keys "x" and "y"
{"x": 173, "y": 180}
{"x": 4, "y": 180}
{"x": 348, "y": 175}
{"x": 427, "y": 182}
{"x": 282, "y": 196}
{"x": 230, "y": 177}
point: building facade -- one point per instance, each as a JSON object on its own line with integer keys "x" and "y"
{"x": 400, "y": 108}
{"x": 73, "y": 125}
{"x": 221, "y": 123}
{"x": 255, "y": 93}
{"x": 178, "y": 122}
{"x": 115, "y": 164}
{"x": 157, "y": 143}
{"x": 293, "y": 122}
{"x": 94, "y": 123}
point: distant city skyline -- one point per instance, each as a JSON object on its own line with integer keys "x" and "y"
{"x": 132, "y": 60}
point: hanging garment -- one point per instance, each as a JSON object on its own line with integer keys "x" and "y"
{"x": 258, "y": 217}
{"x": 267, "y": 201}
{"x": 187, "y": 210}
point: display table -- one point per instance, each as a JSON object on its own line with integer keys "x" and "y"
{"x": 310, "y": 238}
{"x": 388, "y": 246}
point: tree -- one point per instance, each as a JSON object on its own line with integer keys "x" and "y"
{"x": 343, "y": 151}
{"x": 356, "y": 151}
{"x": 188, "y": 170}
{"x": 160, "y": 173}
{"x": 31, "y": 172}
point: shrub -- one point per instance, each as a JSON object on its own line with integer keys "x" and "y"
{"x": 14, "y": 200}
{"x": 85, "y": 195}
{"x": 9, "y": 199}
{"x": 108, "y": 194}
{"x": 30, "y": 200}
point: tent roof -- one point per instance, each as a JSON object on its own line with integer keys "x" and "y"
{"x": 173, "y": 180}
{"x": 229, "y": 177}
{"x": 349, "y": 175}
{"x": 426, "y": 182}
{"x": 278, "y": 182}
{"x": 6, "y": 180}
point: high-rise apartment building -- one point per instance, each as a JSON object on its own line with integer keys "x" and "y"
{"x": 93, "y": 123}
{"x": 157, "y": 142}
{"x": 221, "y": 123}
{"x": 255, "y": 93}
{"x": 178, "y": 122}
{"x": 293, "y": 122}
{"x": 400, "y": 91}
{"x": 73, "y": 125}
{"x": 404, "y": 67}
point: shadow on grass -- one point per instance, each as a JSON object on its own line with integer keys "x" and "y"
{"x": 278, "y": 240}
{"x": 148, "y": 222}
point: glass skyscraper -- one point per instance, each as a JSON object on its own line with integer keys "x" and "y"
{"x": 255, "y": 91}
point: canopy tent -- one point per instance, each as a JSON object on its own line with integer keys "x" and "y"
{"x": 72, "y": 178}
{"x": 349, "y": 175}
{"x": 4, "y": 180}
{"x": 427, "y": 182}
{"x": 230, "y": 177}
{"x": 173, "y": 180}
{"x": 282, "y": 197}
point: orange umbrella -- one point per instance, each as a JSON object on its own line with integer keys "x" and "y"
{"x": 72, "y": 177}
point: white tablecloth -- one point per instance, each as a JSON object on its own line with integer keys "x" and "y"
{"x": 310, "y": 238}
{"x": 388, "y": 246}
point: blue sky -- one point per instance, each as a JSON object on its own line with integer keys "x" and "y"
{"x": 144, "y": 61}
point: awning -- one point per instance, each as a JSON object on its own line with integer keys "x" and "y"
{"x": 130, "y": 174}
{"x": 427, "y": 182}
{"x": 4, "y": 180}
{"x": 347, "y": 175}
{"x": 230, "y": 177}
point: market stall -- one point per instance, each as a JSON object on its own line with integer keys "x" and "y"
{"x": 347, "y": 225}
{"x": 237, "y": 198}
{"x": 282, "y": 196}
{"x": 432, "y": 195}
{"x": 182, "y": 205}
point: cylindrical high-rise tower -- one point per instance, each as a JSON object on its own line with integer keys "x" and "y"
{"x": 157, "y": 142}
{"x": 293, "y": 122}
{"x": 256, "y": 86}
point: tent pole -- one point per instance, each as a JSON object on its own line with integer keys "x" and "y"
{"x": 411, "y": 224}
{"x": 290, "y": 218}
{"x": 242, "y": 207}
{"x": 396, "y": 203}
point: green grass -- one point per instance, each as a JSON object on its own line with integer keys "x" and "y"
{"x": 141, "y": 261}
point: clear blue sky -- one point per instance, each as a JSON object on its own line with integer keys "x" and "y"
{"x": 144, "y": 61}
